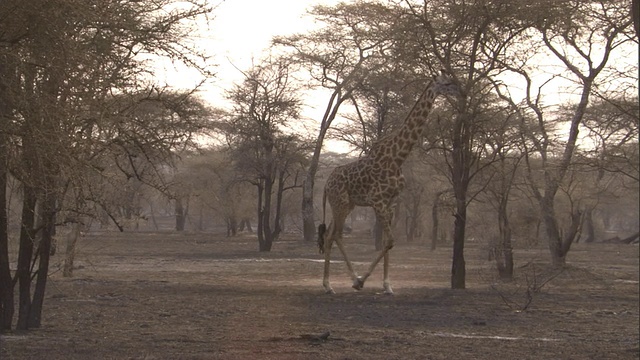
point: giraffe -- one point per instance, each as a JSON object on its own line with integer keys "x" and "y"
{"x": 375, "y": 180}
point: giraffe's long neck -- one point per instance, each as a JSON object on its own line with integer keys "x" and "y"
{"x": 410, "y": 132}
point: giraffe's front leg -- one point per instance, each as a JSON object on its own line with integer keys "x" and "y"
{"x": 358, "y": 281}
{"x": 327, "y": 287}
{"x": 385, "y": 217}
{"x": 386, "y": 284}
{"x": 327, "y": 263}
{"x": 325, "y": 280}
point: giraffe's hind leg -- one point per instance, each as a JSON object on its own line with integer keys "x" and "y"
{"x": 328, "y": 243}
{"x": 339, "y": 227}
{"x": 386, "y": 284}
{"x": 385, "y": 214}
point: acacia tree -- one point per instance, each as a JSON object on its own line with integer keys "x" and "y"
{"x": 265, "y": 154}
{"x": 612, "y": 129}
{"x": 215, "y": 188}
{"x": 582, "y": 37}
{"x": 466, "y": 39}
{"x": 6, "y": 291}
{"x": 338, "y": 56}
{"x": 504, "y": 155}
{"x": 66, "y": 58}
{"x": 612, "y": 158}
{"x": 151, "y": 130}
{"x": 381, "y": 102}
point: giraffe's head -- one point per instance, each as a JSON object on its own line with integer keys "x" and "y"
{"x": 443, "y": 84}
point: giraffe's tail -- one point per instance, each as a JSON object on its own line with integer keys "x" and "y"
{"x": 322, "y": 228}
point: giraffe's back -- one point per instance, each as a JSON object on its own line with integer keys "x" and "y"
{"x": 363, "y": 183}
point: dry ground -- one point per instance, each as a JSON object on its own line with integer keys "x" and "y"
{"x": 201, "y": 296}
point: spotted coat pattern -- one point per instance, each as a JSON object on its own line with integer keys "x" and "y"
{"x": 376, "y": 180}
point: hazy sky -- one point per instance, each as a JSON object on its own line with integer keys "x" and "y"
{"x": 243, "y": 28}
{"x": 240, "y": 32}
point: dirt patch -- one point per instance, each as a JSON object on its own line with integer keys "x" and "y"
{"x": 200, "y": 296}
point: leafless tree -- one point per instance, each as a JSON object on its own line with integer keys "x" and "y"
{"x": 582, "y": 37}
{"x": 265, "y": 152}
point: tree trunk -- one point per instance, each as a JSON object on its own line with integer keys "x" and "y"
{"x": 245, "y": 223}
{"x": 70, "y": 251}
{"x": 589, "y": 227}
{"x": 461, "y": 163}
{"x": 6, "y": 285}
{"x": 271, "y": 234}
{"x": 505, "y": 266}
{"x": 267, "y": 240}
{"x": 558, "y": 259}
{"x": 181, "y": 214}
{"x": 435, "y": 208}
{"x": 259, "y": 225}
{"x": 278, "y": 219}
{"x": 25, "y": 255}
{"x": 308, "y": 213}
{"x": 309, "y": 227}
{"x": 458, "y": 266}
{"x": 201, "y": 218}
{"x": 263, "y": 242}
{"x": 412, "y": 219}
{"x": 153, "y": 216}
{"x": 410, "y": 228}
{"x": 554, "y": 239}
{"x": 44, "y": 251}
{"x": 554, "y": 175}
{"x": 232, "y": 226}
{"x": 504, "y": 252}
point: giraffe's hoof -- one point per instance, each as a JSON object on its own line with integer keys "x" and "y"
{"x": 329, "y": 290}
{"x": 387, "y": 289}
{"x": 358, "y": 283}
